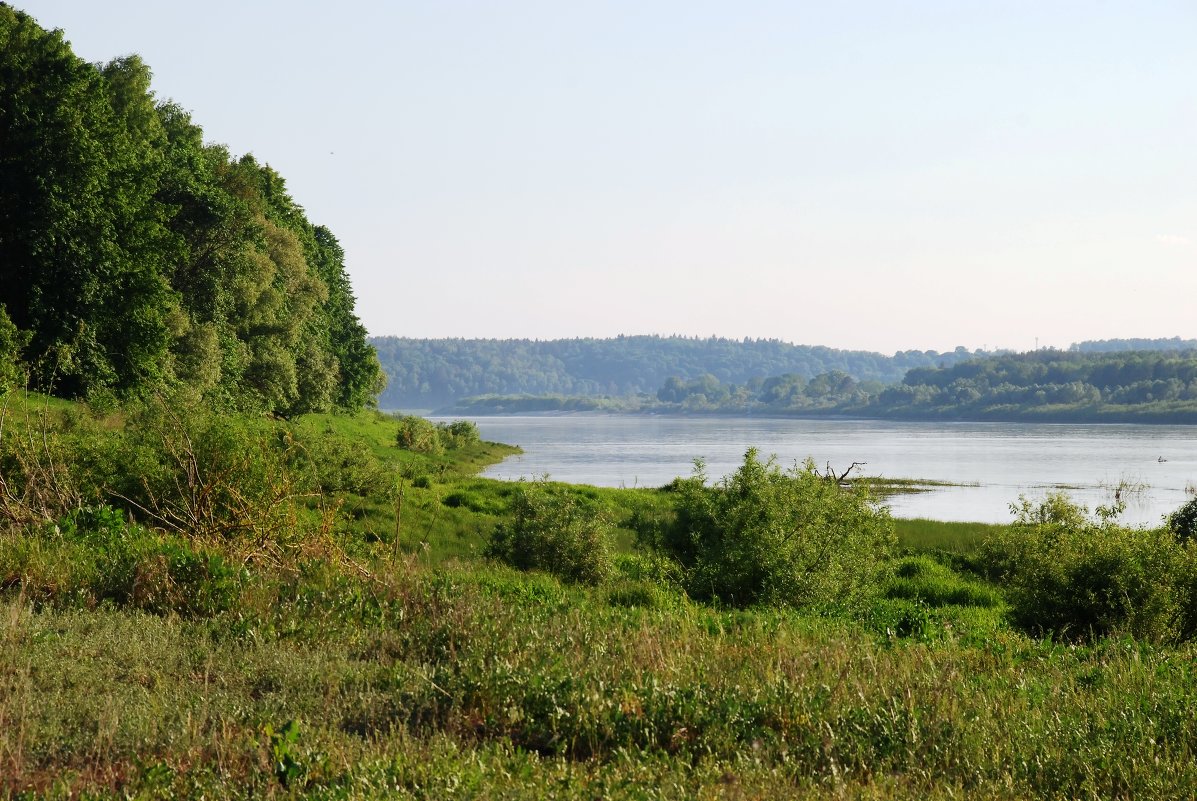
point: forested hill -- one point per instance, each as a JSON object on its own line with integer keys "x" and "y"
{"x": 429, "y": 373}
{"x": 1147, "y": 386}
{"x": 134, "y": 256}
{"x": 1041, "y": 386}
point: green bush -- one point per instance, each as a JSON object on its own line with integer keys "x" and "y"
{"x": 49, "y": 454}
{"x": 922, "y": 579}
{"x": 332, "y": 463}
{"x": 902, "y": 618}
{"x": 12, "y": 341}
{"x": 419, "y": 435}
{"x": 1183, "y": 522}
{"x": 458, "y": 434}
{"x": 763, "y": 535}
{"x": 94, "y": 554}
{"x": 1075, "y": 577}
{"x": 424, "y": 436}
{"x": 202, "y": 474}
{"x": 553, "y": 532}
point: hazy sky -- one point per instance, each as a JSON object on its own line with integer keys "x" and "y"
{"x": 880, "y": 175}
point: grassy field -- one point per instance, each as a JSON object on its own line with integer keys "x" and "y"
{"x": 935, "y": 535}
{"x": 481, "y": 682}
{"x": 354, "y": 663}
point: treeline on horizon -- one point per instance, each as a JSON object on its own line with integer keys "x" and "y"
{"x": 1134, "y": 344}
{"x": 1135, "y": 386}
{"x": 1044, "y": 386}
{"x": 136, "y": 256}
{"x": 431, "y": 373}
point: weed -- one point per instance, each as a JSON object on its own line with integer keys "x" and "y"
{"x": 282, "y": 743}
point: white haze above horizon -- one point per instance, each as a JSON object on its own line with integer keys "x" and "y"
{"x": 860, "y": 175}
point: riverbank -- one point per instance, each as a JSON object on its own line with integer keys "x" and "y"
{"x": 984, "y": 467}
{"x": 366, "y": 647}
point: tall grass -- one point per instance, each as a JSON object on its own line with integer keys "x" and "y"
{"x": 515, "y": 682}
{"x": 961, "y": 538}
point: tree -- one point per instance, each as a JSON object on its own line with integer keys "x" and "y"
{"x": 80, "y": 275}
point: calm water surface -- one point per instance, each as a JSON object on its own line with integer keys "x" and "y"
{"x": 999, "y": 461}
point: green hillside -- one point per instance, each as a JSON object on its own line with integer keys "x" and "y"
{"x": 429, "y": 373}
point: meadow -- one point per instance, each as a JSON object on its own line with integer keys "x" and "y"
{"x": 197, "y": 607}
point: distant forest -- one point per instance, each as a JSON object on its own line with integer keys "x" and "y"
{"x": 431, "y": 373}
{"x": 1118, "y": 345}
{"x": 1138, "y": 386}
{"x": 1044, "y": 386}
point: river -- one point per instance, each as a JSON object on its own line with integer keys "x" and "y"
{"x": 991, "y": 464}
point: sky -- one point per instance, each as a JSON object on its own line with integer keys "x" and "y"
{"x": 865, "y": 175}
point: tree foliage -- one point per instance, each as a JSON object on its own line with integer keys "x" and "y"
{"x": 136, "y": 256}
{"x": 763, "y": 535}
{"x": 1051, "y": 384}
{"x": 1077, "y": 577}
{"x": 11, "y": 344}
{"x": 1183, "y": 522}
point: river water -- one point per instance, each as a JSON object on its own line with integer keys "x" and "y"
{"x": 994, "y": 462}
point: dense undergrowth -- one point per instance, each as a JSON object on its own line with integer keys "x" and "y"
{"x": 197, "y": 606}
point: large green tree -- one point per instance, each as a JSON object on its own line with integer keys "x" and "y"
{"x": 79, "y": 242}
{"x": 135, "y": 255}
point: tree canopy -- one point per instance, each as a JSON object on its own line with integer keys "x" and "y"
{"x": 135, "y": 255}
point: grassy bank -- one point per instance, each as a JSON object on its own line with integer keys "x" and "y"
{"x": 469, "y": 682}
{"x": 370, "y": 650}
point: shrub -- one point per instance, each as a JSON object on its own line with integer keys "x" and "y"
{"x": 41, "y": 464}
{"x": 553, "y": 532}
{"x": 922, "y": 579}
{"x": 419, "y": 435}
{"x": 332, "y": 463}
{"x": 94, "y": 554}
{"x": 763, "y": 535}
{"x": 12, "y": 341}
{"x": 1183, "y": 522}
{"x": 211, "y": 476}
{"x": 458, "y": 434}
{"x": 424, "y": 436}
{"x": 903, "y": 618}
{"x": 1079, "y": 578}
